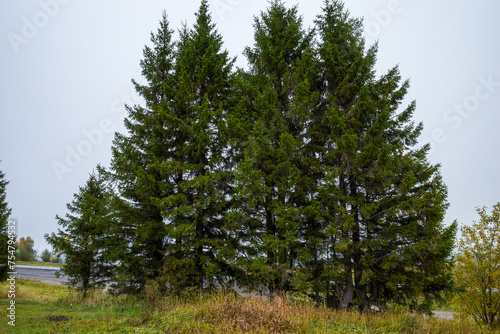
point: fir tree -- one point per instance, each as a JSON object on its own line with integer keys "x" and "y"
{"x": 4, "y": 231}
{"x": 85, "y": 236}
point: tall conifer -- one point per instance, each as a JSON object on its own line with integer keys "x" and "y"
{"x": 4, "y": 232}
{"x": 85, "y": 236}
{"x": 134, "y": 171}
{"x": 200, "y": 192}
{"x": 386, "y": 203}
{"x": 171, "y": 168}
{"x": 271, "y": 177}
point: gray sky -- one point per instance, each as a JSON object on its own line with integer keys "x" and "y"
{"x": 66, "y": 67}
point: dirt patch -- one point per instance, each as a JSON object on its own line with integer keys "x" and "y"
{"x": 58, "y": 318}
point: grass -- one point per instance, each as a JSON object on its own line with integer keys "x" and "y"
{"x": 44, "y": 308}
{"x": 41, "y": 264}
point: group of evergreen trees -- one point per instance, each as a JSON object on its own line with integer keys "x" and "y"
{"x": 301, "y": 173}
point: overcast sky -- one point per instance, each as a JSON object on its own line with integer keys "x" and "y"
{"x": 66, "y": 66}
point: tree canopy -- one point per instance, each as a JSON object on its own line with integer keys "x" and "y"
{"x": 26, "y": 249}
{"x": 45, "y": 256}
{"x": 477, "y": 270}
{"x": 85, "y": 237}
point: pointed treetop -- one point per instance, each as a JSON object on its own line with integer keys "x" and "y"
{"x": 279, "y": 39}
{"x": 4, "y": 209}
{"x": 204, "y": 17}
{"x": 157, "y": 64}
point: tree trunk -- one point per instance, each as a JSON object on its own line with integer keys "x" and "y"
{"x": 348, "y": 293}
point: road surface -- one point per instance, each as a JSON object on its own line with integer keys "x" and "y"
{"x": 42, "y": 274}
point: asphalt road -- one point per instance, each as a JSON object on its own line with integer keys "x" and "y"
{"x": 42, "y": 274}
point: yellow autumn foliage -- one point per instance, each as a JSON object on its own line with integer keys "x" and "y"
{"x": 477, "y": 271}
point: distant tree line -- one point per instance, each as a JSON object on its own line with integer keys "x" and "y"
{"x": 299, "y": 174}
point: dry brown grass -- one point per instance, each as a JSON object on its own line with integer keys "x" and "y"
{"x": 218, "y": 313}
{"x": 224, "y": 313}
{"x": 252, "y": 315}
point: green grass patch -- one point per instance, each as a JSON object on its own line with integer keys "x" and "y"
{"x": 44, "y": 308}
{"x": 40, "y": 264}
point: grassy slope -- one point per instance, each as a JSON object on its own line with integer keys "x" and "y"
{"x": 43, "y": 308}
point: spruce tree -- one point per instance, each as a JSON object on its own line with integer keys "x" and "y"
{"x": 4, "y": 230}
{"x": 271, "y": 181}
{"x": 134, "y": 171}
{"x": 198, "y": 194}
{"x": 385, "y": 202}
{"x": 171, "y": 169}
{"x": 85, "y": 236}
